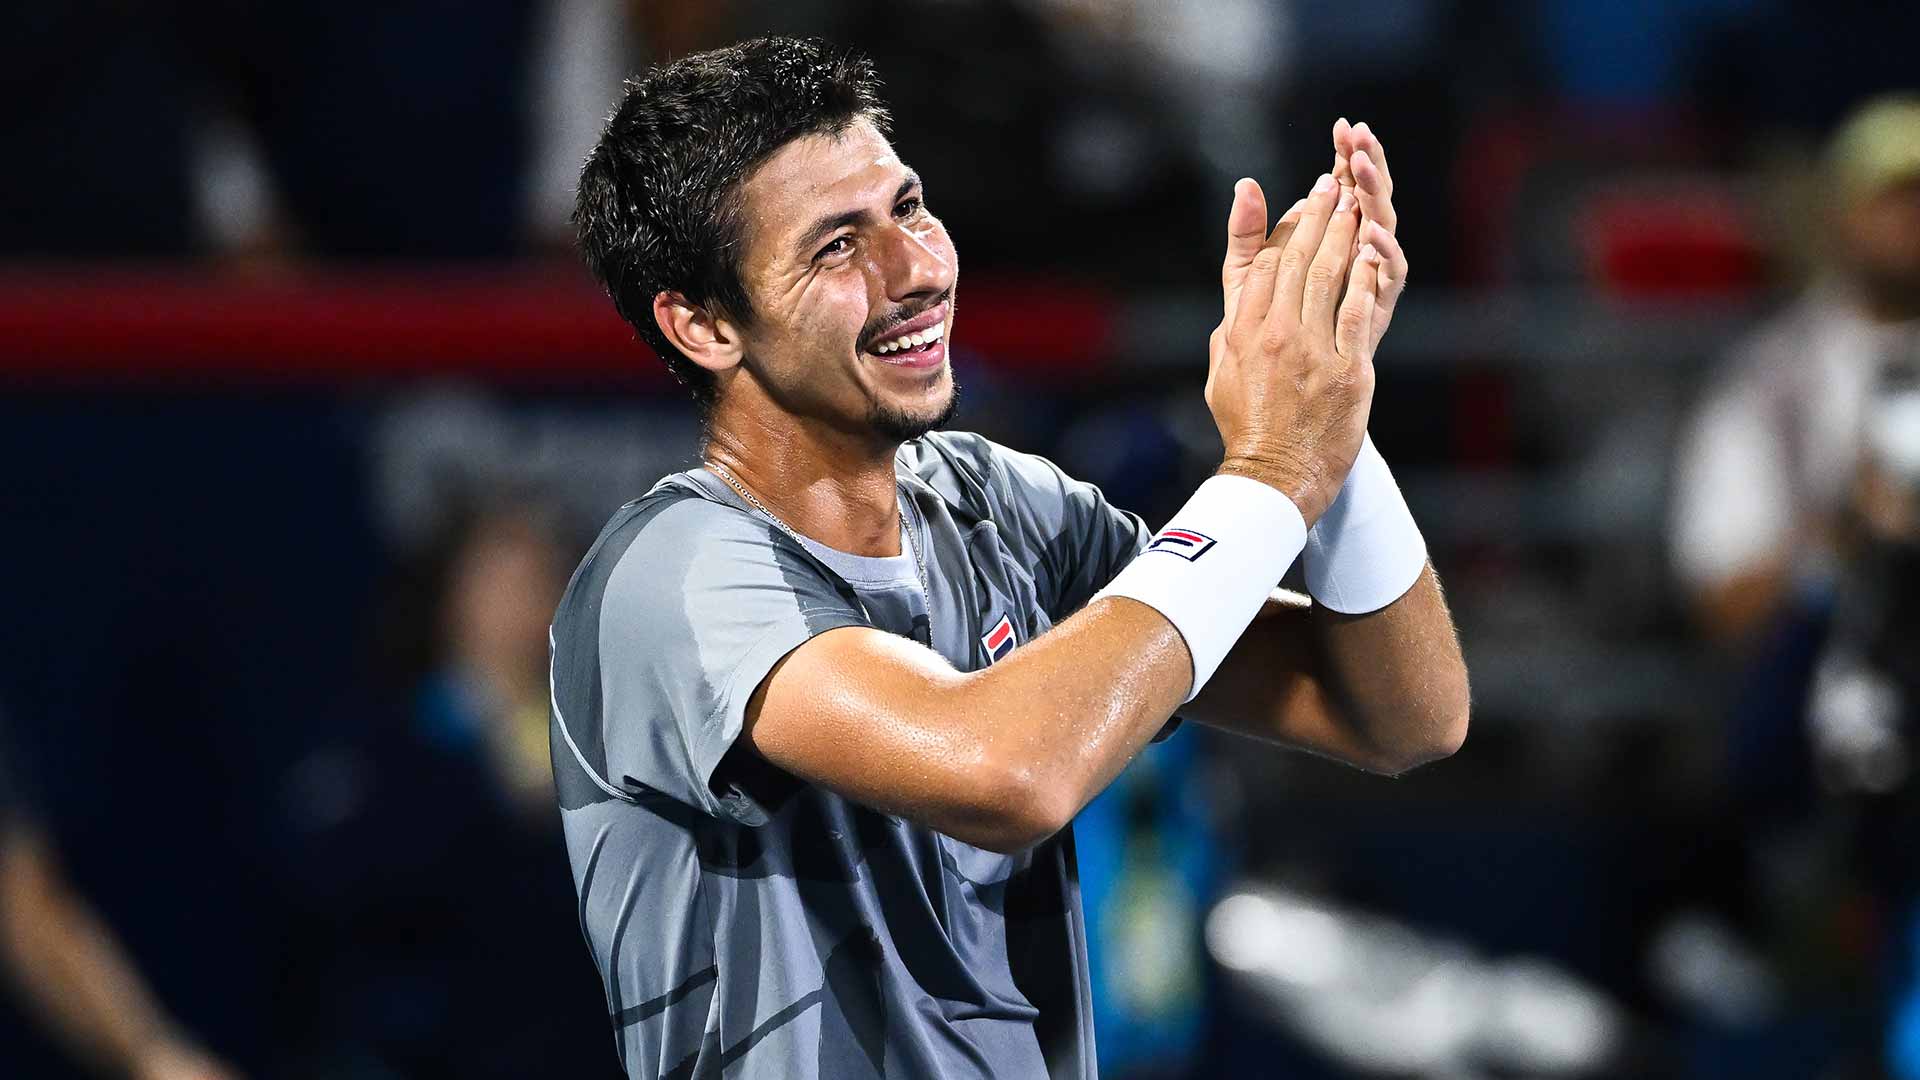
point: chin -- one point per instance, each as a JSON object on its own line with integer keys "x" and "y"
{"x": 901, "y": 423}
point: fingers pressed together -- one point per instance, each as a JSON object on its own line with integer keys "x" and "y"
{"x": 1336, "y": 258}
{"x": 1306, "y": 267}
{"x": 1358, "y": 150}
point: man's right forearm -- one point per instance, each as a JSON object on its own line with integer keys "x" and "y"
{"x": 1000, "y": 758}
{"x": 1112, "y": 674}
{"x": 1070, "y": 709}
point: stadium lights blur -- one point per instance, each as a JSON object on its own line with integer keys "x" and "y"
{"x": 1378, "y": 996}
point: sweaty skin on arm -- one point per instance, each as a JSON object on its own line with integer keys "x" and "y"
{"x": 1385, "y": 691}
{"x": 1000, "y": 758}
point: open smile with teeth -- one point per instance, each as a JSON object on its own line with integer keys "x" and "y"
{"x": 909, "y": 342}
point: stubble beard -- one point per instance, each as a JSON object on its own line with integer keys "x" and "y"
{"x": 898, "y": 425}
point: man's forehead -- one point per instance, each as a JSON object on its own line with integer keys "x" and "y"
{"x": 820, "y": 172}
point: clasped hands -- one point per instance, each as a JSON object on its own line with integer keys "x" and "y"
{"x": 1290, "y": 366}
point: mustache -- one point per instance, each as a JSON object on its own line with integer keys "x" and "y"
{"x": 883, "y": 329}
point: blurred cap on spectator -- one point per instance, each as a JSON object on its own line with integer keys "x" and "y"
{"x": 1878, "y": 147}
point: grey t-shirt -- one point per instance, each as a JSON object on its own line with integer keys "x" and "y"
{"x": 746, "y": 923}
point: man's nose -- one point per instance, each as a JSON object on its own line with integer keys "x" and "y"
{"x": 917, "y": 264}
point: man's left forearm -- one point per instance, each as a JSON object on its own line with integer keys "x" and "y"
{"x": 1397, "y": 676}
{"x": 1384, "y": 691}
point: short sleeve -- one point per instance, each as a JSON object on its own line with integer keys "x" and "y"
{"x": 684, "y": 609}
{"x": 1075, "y": 540}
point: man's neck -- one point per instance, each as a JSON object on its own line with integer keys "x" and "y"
{"x": 826, "y": 485}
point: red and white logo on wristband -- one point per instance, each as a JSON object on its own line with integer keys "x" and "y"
{"x": 1185, "y": 543}
{"x": 1210, "y": 601}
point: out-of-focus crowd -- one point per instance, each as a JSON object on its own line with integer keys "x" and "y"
{"x": 274, "y": 791}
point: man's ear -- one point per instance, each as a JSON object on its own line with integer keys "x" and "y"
{"x": 704, "y": 337}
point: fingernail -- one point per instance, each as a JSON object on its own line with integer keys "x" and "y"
{"x": 1346, "y": 199}
{"x": 1324, "y": 184}
{"x": 1369, "y": 253}
{"x": 1362, "y": 129}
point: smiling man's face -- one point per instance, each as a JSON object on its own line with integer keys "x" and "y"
{"x": 847, "y": 270}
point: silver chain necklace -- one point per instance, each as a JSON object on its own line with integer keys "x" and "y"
{"x": 919, "y": 562}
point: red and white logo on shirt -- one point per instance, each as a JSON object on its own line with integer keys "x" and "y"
{"x": 999, "y": 641}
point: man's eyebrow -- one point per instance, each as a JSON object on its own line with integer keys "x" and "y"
{"x": 831, "y": 222}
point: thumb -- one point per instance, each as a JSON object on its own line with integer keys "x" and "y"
{"x": 1246, "y": 232}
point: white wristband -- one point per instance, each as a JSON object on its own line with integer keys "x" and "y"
{"x": 1365, "y": 552}
{"x": 1213, "y": 565}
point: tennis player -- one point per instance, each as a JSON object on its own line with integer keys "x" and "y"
{"x": 824, "y": 707}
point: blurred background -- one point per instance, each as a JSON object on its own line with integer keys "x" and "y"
{"x": 309, "y": 410}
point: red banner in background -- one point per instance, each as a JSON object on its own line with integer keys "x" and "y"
{"x": 146, "y": 326}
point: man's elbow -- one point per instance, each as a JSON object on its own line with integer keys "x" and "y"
{"x": 1424, "y": 733}
{"x": 1011, "y": 809}
{"x": 1442, "y": 739}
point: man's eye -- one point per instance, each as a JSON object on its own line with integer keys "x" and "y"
{"x": 839, "y": 245}
{"x": 907, "y": 208}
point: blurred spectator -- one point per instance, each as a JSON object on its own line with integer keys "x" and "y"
{"x": 1863, "y": 706}
{"x": 1865, "y": 697}
{"x": 437, "y": 935}
{"x": 1794, "y": 530}
{"x": 1767, "y": 461}
{"x": 72, "y": 970}
{"x": 487, "y": 692}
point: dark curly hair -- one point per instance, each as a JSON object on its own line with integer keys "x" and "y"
{"x": 659, "y": 205}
